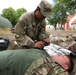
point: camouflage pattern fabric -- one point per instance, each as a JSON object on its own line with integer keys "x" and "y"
{"x": 30, "y": 26}
{"x": 45, "y": 66}
{"x": 67, "y": 43}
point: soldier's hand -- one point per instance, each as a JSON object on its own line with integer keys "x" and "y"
{"x": 39, "y": 45}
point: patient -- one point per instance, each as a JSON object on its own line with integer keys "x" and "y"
{"x": 34, "y": 62}
{"x": 65, "y": 61}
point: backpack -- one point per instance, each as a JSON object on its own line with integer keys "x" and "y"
{"x": 4, "y": 42}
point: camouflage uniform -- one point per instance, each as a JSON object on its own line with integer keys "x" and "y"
{"x": 45, "y": 66}
{"x": 29, "y": 25}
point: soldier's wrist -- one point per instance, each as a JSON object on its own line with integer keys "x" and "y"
{"x": 31, "y": 44}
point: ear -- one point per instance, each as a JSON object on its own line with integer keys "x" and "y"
{"x": 66, "y": 67}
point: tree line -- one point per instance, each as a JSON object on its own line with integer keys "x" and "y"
{"x": 13, "y": 15}
{"x": 59, "y": 12}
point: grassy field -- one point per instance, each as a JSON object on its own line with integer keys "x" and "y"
{"x": 61, "y": 32}
{"x": 7, "y": 33}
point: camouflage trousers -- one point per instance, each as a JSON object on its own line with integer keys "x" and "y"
{"x": 45, "y": 66}
{"x": 13, "y": 45}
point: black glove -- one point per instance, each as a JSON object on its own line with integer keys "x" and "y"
{"x": 46, "y": 43}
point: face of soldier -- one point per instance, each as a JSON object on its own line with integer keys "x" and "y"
{"x": 39, "y": 15}
{"x": 62, "y": 60}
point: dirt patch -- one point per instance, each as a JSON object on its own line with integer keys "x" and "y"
{"x": 7, "y": 33}
{"x": 61, "y": 32}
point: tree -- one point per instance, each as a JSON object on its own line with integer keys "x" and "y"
{"x": 53, "y": 19}
{"x": 69, "y": 4}
{"x": 58, "y": 15}
{"x": 61, "y": 13}
{"x": 9, "y": 13}
{"x": 19, "y": 12}
{"x": 13, "y": 15}
{"x": 60, "y": 10}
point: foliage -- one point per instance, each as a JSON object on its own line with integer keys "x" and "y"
{"x": 60, "y": 10}
{"x": 53, "y": 19}
{"x": 69, "y": 4}
{"x": 19, "y": 12}
{"x": 13, "y": 15}
{"x": 9, "y": 13}
{"x": 58, "y": 15}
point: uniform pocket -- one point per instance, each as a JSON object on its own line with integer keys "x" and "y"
{"x": 30, "y": 31}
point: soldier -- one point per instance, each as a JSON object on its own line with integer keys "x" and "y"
{"x": 30, "y": 29}
{"x": 33, "y": 62}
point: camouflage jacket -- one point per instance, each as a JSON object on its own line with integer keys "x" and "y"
{"x": 29, "y": 25}
{"x": 46, "y": 66}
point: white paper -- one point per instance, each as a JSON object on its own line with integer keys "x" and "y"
{"x": 2, "y": 40}
{"x": 53, "y": 49}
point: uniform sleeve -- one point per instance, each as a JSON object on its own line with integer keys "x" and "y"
{"x": 20, "y": 30}
{"x": 42, "y": 32}
{"x": 58, "y": 70}
{"x": 21, "y": 25}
